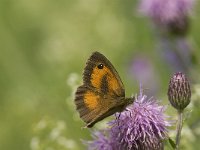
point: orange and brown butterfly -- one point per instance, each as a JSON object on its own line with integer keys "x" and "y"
{"x": 102, "y": 93}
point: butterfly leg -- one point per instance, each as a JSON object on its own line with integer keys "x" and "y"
{"x": 129, "y": 112}
{"x": 117, "y": 119}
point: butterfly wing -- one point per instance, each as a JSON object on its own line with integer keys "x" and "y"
{"x": 94, "y": 106}
{"x": 102, "y": 93}
{"x": 106, "y": 80}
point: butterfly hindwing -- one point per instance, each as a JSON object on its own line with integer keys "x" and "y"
{"x": 93, "y": 106}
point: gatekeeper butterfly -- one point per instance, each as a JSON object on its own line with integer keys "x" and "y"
{"x": 102, "y": 93}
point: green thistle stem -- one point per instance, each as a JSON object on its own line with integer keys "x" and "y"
{"x": 179, "y": 128}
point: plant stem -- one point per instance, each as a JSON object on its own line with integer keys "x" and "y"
{"x": 179, "y": 128}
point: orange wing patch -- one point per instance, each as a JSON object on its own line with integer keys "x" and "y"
{"x": 91, "y": 100}
{"x": 97, "y": 76}
{"x": 112, "y": 82}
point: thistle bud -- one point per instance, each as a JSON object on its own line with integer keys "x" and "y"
{"x": 179, "y": 93}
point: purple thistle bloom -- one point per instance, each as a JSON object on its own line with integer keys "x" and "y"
{"x": 170, "y": 15}
{"x": 101, "y": 142}
{"x": 142, "y": 126}
{"x": 163, "y": 10}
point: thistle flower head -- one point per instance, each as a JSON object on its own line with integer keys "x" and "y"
{"x": 142, "y": 126}
{"x": 171, "y": 14}
{"x": 179, "y": 93}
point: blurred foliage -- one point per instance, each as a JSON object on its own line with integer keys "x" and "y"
{"x": 43, "y": 49}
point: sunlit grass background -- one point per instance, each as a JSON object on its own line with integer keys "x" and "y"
{"x": 43, "y": 49}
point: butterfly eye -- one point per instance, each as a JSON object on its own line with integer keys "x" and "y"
{"x": 100, "y": 66}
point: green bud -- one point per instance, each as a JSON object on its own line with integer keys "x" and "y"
{"x": 179, "y": 93}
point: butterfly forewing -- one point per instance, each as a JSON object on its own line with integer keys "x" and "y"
{"x": 94, "y": 75}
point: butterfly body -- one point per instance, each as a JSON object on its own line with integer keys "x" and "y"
{"x": 102, "y": 93}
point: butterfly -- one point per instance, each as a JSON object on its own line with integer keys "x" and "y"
{"x": 102, "y": 93}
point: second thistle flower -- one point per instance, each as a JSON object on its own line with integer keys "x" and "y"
{"x": 171, "y": 16}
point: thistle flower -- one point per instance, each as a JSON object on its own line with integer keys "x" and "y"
{"x": 170, "y": 15}
{"x": 142, "y": 126}
{"x": 101, "y": 142}
{"x": 179, "y": 93}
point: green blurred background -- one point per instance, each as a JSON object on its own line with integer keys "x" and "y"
{"x": 43, "y": 49}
